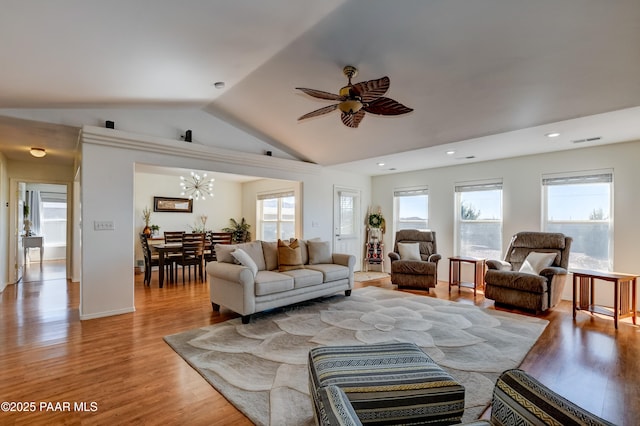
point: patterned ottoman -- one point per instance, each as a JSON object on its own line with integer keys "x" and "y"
{"x": 388, "y": 384}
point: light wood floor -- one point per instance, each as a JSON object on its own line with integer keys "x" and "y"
{"x": 122, "y": 364}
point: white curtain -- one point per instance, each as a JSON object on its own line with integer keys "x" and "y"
{"x": 35, "y": 211}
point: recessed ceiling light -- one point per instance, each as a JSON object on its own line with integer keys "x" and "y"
{"x": 451, "y": 152}
{"x": 219, "y": 84}
{"x": 381, "y": 164}
{"x": 552, "y": 135}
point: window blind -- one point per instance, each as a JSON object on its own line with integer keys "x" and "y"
{"x": 411, "y": 192}
{"x": 479, "y": 186}
{"x": 279, "y": 194}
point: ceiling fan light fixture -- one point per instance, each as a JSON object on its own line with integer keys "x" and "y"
{"x": 350, "y": 106}
{"x": 38, "y": 152}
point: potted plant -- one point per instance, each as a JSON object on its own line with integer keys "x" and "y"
{"x": 146, "y": 216}
{"x": 155, "y": 230}
{"x": 240, "y": 230}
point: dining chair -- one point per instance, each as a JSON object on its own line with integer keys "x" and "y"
{"x": 150, "y": 260}
{"x": 172, "y": 237}
{"x": 192, "y": 255}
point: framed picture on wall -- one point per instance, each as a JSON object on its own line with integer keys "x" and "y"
{"x": 176, "y": 205}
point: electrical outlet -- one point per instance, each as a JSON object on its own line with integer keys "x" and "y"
{"x": 103, "y": 225}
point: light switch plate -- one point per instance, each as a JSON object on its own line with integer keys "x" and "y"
{"x": 103, "y": 225}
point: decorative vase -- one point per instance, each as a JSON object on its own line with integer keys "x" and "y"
{"x": 146, "y": 231}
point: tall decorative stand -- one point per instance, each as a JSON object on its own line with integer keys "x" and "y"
{"x": 374, "y": 251}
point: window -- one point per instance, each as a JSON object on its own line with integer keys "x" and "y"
{"x": 411, "y": 208}
{"x": 580, "y": 206}
{"x": 478, "y": 219}
{"x": 277, "y": 216}
{"x": 53, "y": 225}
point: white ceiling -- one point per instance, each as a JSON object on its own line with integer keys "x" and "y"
{"x": 487, "y": 78}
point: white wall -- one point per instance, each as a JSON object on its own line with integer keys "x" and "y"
{"x": 4, "y": 222}
{"x": 107, "y": 186}
{"x": 225, "y": 204}
{"x": 522, "y": 198}
{"x": 164, "y": 123}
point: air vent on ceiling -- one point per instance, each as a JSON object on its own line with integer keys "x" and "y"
{"x": 597, "y": 138}
{"x": 468, "y": 157}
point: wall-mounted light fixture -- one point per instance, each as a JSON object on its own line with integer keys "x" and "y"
{"x": 38, "y": 152}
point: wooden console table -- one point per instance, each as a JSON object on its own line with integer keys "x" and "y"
{"x": 32, "y": 242}
{"x": 624, "y": 300}
{"x": 455, "y": 276}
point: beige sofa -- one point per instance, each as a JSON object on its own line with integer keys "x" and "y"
{"x": 261, "y": 283}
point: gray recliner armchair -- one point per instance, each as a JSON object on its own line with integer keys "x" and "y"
{"x": 538, "y": 285}
{"x": 421, "y": 271}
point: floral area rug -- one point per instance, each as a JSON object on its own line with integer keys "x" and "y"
{"x": 261, "y": 367}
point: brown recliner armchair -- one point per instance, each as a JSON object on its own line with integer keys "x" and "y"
{"x": 409, "y": 272}
{"x": 506, "y": 284}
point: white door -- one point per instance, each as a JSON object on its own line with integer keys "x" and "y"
{"x": 346, "y": 223}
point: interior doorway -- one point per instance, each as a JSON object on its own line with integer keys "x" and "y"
{"x": 43, "y": 231}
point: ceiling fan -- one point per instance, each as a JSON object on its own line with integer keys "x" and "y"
{"x": 356, "y": 99}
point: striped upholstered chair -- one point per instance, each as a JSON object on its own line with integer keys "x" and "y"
{"x": 518, "y": 399}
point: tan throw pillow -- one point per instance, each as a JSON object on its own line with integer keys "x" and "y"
{"x": 319, "y": 252}
{"x": 289, "y": 256}
{"x": 409, "y": 251}
{"x": 270, "y": 250}
{"x": 223, "y": 252}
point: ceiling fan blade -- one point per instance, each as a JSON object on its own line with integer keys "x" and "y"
{"x": 320, "y": 94}
{"x": 371, "y": 90}
{"x": 352, "y": 120}
{"x": 320, "y": 111}
{"x": 386, "y": 106}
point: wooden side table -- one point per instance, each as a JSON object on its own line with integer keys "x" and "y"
{"x": 624, "y": 304}
{"x": 478, "y": 272}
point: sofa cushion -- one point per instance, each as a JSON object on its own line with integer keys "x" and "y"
{"x": 305, "y": 277}
{"x": 269, "y": 282}
{"x": 245, "y": 260}
{"x": 270, "y": 251}
{"x": 319, "y": 252}
{"x": 536, "y": 262}
{"x": 254, "y": 249}
{"x": 413, "y": 267}
{"x": 289, "y": 256}
{"x": 223, "y": 253}
{"x": 331, "y": 271}
{"x": 517, "y": 281}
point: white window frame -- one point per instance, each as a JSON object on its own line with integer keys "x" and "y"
{"x": 279, "y": 196}
{"x": 475, "y": 186}
{"x": 578, "y": 178}
{"x": 408, "y": 192}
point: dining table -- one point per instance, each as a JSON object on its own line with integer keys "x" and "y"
{"x": 165, "y": 249}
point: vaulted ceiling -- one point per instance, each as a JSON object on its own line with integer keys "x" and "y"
{"x": 486, "y": 78}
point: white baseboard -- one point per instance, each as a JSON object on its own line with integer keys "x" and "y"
{"x": 107, "y": 313}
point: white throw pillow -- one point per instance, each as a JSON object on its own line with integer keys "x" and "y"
{"x": 409, "y": 251}
{"x": 245, "y": 260}
{"x": 536, "y": 262}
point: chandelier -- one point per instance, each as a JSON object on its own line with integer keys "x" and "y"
{"x": 196, "y": 186}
